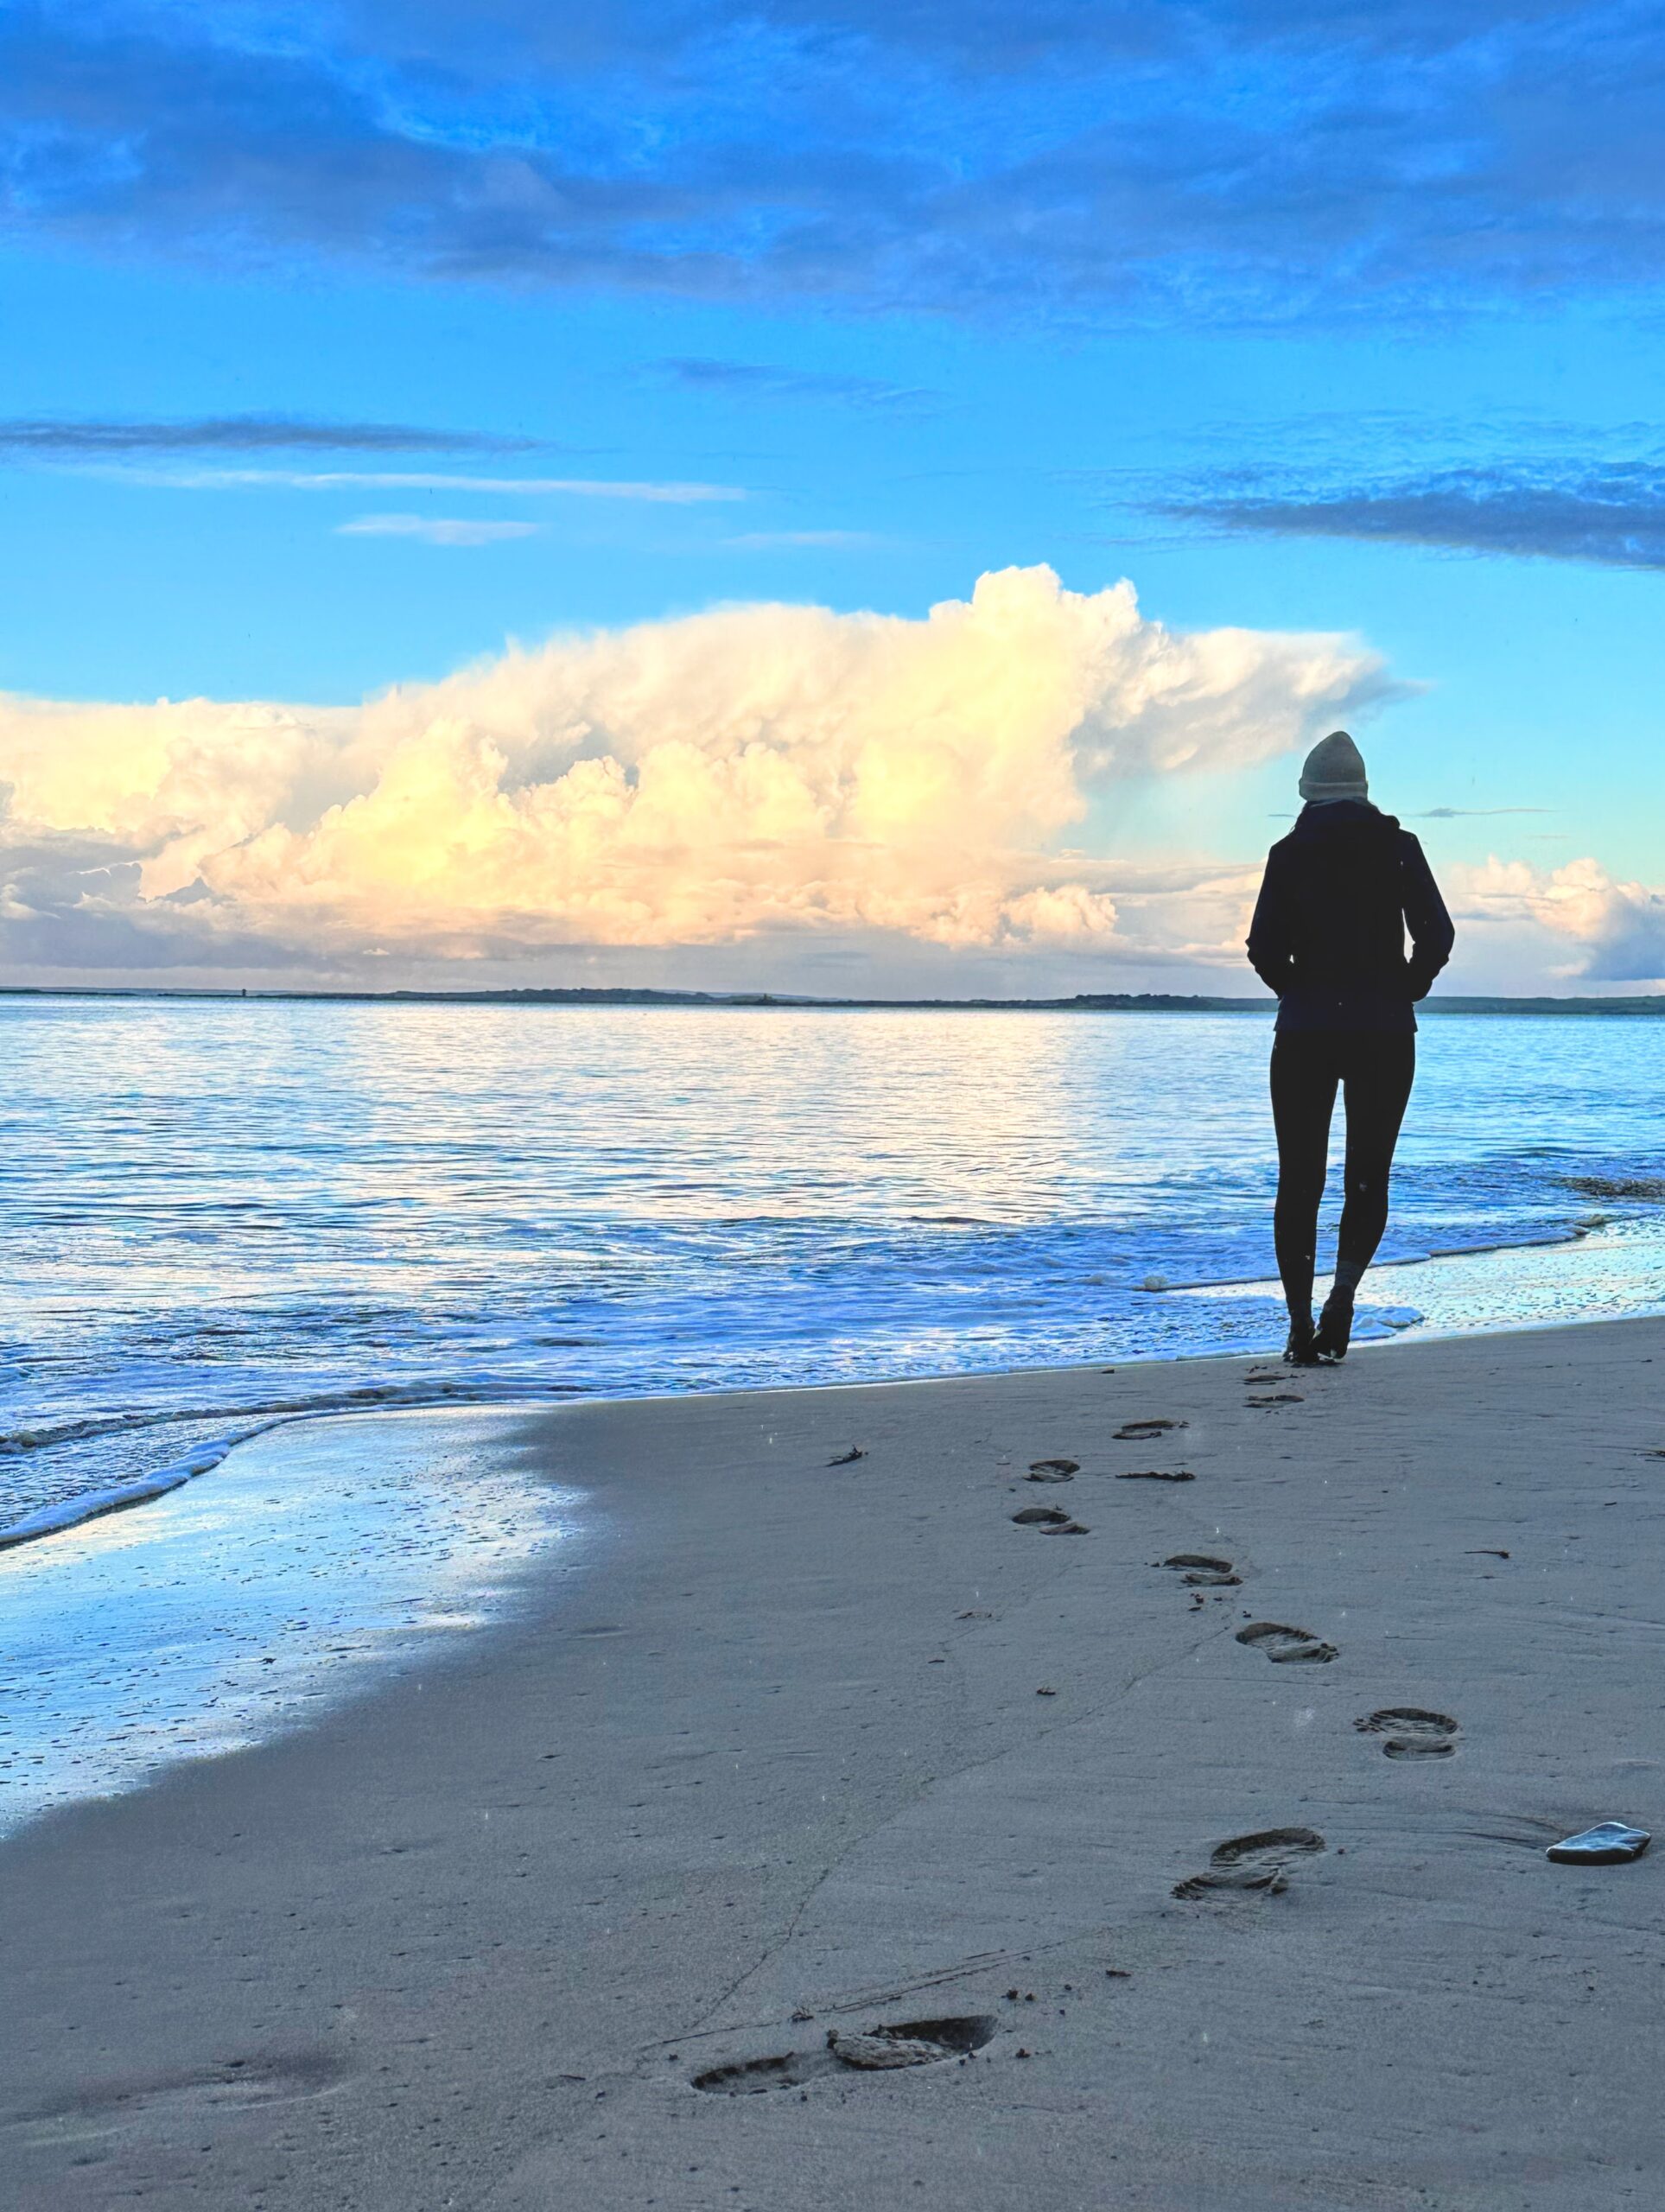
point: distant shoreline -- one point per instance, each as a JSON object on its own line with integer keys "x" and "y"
{"x": 1651, "y": 1006}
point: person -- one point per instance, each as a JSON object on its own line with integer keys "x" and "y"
{"x": 1339, "y": 893}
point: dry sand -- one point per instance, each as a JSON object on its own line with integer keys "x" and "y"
{"x": 817, "y": 1748}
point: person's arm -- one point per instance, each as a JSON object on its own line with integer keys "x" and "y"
{"x": 1430, "y": 926}
{"x": 1271, "y": 948}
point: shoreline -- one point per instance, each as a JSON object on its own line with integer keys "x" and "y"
{"x": 337, "y": 1552}
{"x": 839, "y": 1745}
{"x": 60, "y": 1516}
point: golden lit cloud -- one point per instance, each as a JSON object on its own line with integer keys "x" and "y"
{"x": 688, "y": 782}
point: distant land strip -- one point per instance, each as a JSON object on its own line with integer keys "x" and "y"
{"x": 1082, "y": 1002}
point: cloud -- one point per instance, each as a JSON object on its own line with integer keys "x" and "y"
{"x": 1609, "y": 931}
{"x": 1614, "y": 516}
{"x": 1468, "y": 813}
{"x": 436, "y": 529}
{"x": 51, "y": 436}
{"x": 1256, "y": 161}
{"x": 750, "y": 379}
{"x": 356, "y": 479}
{"x": 485, "y": 39}
{"x": 760, "y": 771}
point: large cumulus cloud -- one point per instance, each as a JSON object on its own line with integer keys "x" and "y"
{"x": 691, "y": 782}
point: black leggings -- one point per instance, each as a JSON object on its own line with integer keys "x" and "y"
{"x": 1375, "y": 1073}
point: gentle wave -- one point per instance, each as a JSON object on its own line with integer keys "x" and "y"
{"x": 17, "y": 1442}
{"x": 94, "y": 1504}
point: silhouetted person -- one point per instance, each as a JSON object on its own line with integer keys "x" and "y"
{"x": 1339, "y": 893}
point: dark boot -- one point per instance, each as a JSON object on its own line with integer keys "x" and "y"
{"x": 1335, "y": 1327}
{"x": 1300, "y": 1350}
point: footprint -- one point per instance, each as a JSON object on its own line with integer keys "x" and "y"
{"x": 1281, "y": 1643}
{"x": 1198, "y": 1571}
{"x": 1053, "y": 1471}
{"x": 1259, "y": 1861}
{"x": 912, "y": 2042}
{"x": 1050, "y": 1520}
{"x": 749, "y": 2078}
{"x": 1157, "y": 1475}
{"x": 874, "y": 2051}
{"x": 1411, "y": 1732}
{"x": 1140, "y": 1432}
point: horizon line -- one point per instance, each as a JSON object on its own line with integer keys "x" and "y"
{"x": 1644, "y": 1003}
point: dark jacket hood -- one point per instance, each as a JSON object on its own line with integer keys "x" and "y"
{"x": 1323, "y": 819}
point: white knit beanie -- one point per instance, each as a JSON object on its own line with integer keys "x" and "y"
{"x": 1334, "y": 769}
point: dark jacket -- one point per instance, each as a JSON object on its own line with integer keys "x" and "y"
{"x": 1339, "y": 893}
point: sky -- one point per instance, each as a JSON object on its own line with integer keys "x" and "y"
{"x": 824, "y": 498}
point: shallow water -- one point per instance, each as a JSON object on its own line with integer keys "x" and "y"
{"x": 219, "y": 1213}
{"x": 315, "y": 1564}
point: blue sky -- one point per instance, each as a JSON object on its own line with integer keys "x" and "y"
{"x": 1304, "y": 320}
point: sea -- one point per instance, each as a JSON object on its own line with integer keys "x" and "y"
{"x": 282, "y": 1276}
{"x": 221, "y": 1214}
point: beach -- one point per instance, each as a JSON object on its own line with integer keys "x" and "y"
{"x": 832, "y": 989}
{"x": 812, "y": 1745}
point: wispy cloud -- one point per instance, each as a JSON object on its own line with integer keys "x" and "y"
{"x": 1612, "y": 515}
{"x": 757, "y": 380}
{"x": 357, "y": 480}
{"x": 50, "y": 435}
{"x": 1471, "y": 813}
{"x": 437, "y": 530}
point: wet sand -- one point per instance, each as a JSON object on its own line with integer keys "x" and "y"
{"x": 813, "y": 1748}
